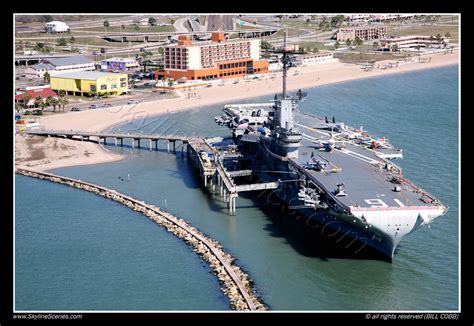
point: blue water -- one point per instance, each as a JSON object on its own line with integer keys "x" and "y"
{"x": 79, "y": 251}
{"x": 417, "y": 111}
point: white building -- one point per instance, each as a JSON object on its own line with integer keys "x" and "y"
{"x": 316, "y": 58}
{"x": 56, "y": 27}
{"x": 403, "y": 43}
{"x": 119, "y": 63}
{"x": 274, "y": 65}
{"x": 38, "y": 70}
{"x": 54, "y": 65}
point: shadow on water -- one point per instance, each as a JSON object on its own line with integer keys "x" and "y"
{"x": 311, "y": 238}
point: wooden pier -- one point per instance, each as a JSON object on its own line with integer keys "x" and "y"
{"x": 198, "y": 151}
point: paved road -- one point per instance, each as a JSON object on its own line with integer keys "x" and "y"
{"x": 179, "y": 25}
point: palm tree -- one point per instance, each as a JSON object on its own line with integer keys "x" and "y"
{"x": 439, "y": 38}
{"x": 47, "y": 77}
{"x": 63, "y": 101}
{"x": 106, "y": 24}
{"x": 18, "y": 106}
{"x": 348, "y": 42}
{"x": 152, "y": 21}
{"x": 62, "y": 93}
{"x": 337, "y": 44}
{"x": 375, "y": 45}
{"x": 170, "y": 83}
{"x": 26, "y": 100}
{"x": 49, "y": 101}
{"x": 447, "y": 35}
{"x": 39, "y": 100}
{"x": 54, "y": 102}
{"x": 72, "y": 40}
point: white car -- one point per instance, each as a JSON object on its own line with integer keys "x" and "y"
{"x": 133, "y": 101}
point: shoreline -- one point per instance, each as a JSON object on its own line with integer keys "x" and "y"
{"x": 308, "y": 77}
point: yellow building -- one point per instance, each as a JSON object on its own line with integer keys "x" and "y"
{"x": 89, "y": 83}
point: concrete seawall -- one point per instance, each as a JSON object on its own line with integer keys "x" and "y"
{"x": 236, "y": 284}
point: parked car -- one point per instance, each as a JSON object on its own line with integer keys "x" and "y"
{"x": 93, "y": 106}
{"x": 133, "y": 101}
{"x": 106, "y": 105}
{"x": 75, "y": 109}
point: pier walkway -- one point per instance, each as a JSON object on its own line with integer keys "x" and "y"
{"x": 198, "y": 150}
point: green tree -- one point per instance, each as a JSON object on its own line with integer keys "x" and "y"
{"x": 337, "y": 45}
{"x": 152, "y": 21}
{"x": 336, "y": 21}
{"x": 170, "y": 83}
{"x": 266, "y": 45}
{"x": 41, "y": 103}
{"x": 62, "y": 42}
{"x": 358, "y": 41}
{"x": 54, "y": 102}
{"x": 375, "y": 45}
{"x": 72, "y": 40}
{"x": 49, "y": 101}
{"x": 439, "y": 39}
{"x": 172, "y": 21}
{"x": 447, "y": 35}
{"x": 348, "y": 42}
{"x": 47, "y": 77}
{"x": 62, "y": 93}
{"x": 39, "y": 46}
{"x": 38, "y": 101}
{"x": 47, "y": 18}
{"x": 137, "y": 27}
{"x": 63, "y": 101}
{"x": 26, "y": 100}
{"x": 106, "y": 23}
{"x": 18, "y": 106}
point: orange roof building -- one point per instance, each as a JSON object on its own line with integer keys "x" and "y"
{"x": 218, "y": 58}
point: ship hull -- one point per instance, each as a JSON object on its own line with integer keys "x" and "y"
{"x": 341, "y": 231}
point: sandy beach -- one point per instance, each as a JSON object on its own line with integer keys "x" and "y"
{"x": 42, "y": 154}
{"x": 99, "y": 120}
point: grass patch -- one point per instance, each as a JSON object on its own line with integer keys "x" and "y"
{"x": 428, "y": 29}
{"x": 359, "y": 58}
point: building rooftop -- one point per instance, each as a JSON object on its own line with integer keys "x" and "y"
{"x": 40, "y": 66}
{"x": 34, "y": 93}
{"x": 69, "y": 61}
{"x": 86, "y": 75}
{"x": 55, "y": 22}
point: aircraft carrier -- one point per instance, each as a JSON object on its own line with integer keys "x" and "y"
{"x": 328, "y": 172}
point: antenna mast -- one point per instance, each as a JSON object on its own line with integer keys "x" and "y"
{"x": 285, "y": 61}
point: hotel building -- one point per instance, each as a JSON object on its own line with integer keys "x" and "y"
{"x": 218, "y": 58}
{"x": 365, "y": 32}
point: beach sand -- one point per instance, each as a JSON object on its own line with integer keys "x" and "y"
{"x": 42, "y": 154}
{"x": 309, "y": 76}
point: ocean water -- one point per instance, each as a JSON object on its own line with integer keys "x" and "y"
{"x": 417, "y": 111}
